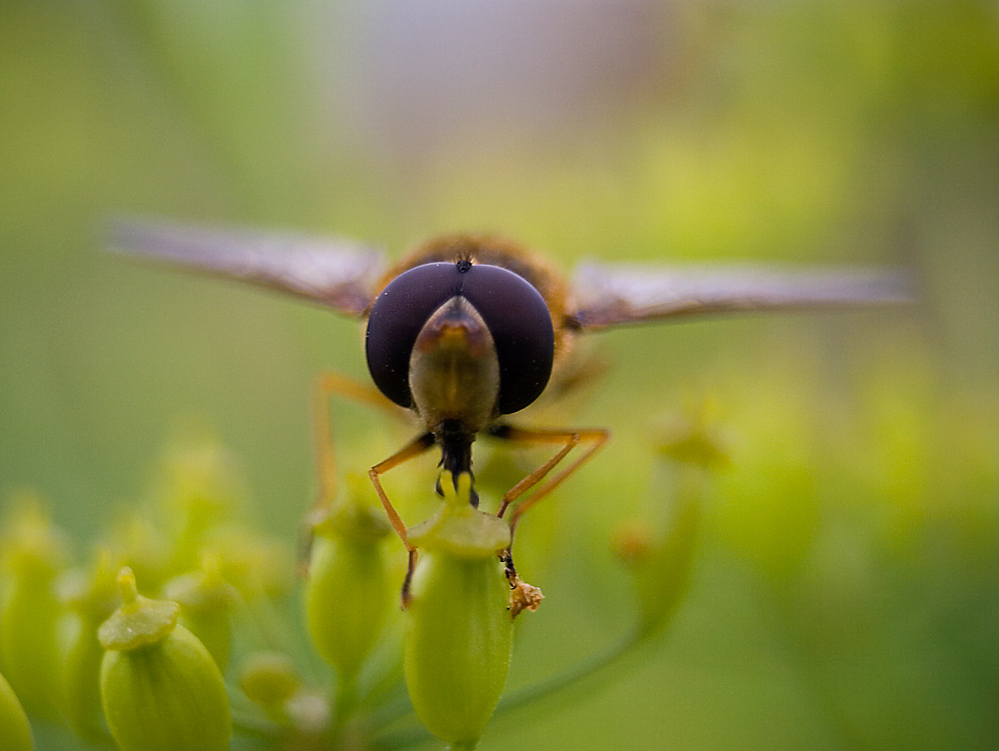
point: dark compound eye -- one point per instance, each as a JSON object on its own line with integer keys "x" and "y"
{"x": 514, "y": 311}
{"x": 396, "y": 319}
{"x": 521, "y": 325}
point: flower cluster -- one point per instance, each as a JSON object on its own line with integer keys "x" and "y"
{"x": 181, "y": 632}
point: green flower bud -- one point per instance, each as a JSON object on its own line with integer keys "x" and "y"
{"x": 458, "y": 528}
{"x": 661, "y": 567}
{"x": 269, "y": 679}
{"x": 349, "y": 592}
{"x": 200, "y": 478}
{"x": 91, "y": 598}
{"x": 693, "y": 441}
{"x": 206, "y": 601}
{"x": 258, "y": 566}
{"x": 660, "y": 554}
{"x": 459, "y": 631}
{"x": 160, "y": 688}
{"x": 32, "y": 554}
{"x": 199, "y": 487}
{"x": 142, "y": 546}
{"x": 15, "y": 732}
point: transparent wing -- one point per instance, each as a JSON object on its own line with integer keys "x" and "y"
{"x": 338, "y": 274}
{"x": 611, "y": 295}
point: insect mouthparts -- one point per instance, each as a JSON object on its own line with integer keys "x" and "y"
{"x": 464, "y": 265}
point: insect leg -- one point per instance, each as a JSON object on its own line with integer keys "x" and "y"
{"x": 524, "y": 596}
{"x": 597, "y": 437}
{"x": 409, "y": 451}
{"x": 329, "y": 384}
{"x": 326, "y": 385}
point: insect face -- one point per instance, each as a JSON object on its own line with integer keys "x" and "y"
{"x": 460, "y": 341}
{"x": 453, "y": 369}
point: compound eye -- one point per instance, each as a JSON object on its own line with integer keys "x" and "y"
{"x": 513, "y": 310}
{"x": 396, "y": 318}
{"x": 521, "y": 326}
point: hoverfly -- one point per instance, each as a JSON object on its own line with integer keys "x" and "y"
{"x": 469, "y": 329}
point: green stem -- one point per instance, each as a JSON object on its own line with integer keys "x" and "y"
{"x": 249, "y": 724}
{"x": 346, "y": 700}
{"x": 401, "y": 739}
{"x": 575, "y": 676}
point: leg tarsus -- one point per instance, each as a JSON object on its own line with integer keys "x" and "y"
{"x": 523, "y": 596}
{"x": 410, "y": 569}
{"x": 506, "y": 558}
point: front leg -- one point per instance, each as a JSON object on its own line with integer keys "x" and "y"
{"x": 327, "y": 385}
{"x": 410, "y": 451}
{"x": 597, "y": 437}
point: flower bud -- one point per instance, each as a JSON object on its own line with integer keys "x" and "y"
{"x": 15, "y": 732}
{"x": 258, "y": 566}
{"x": 160, "y": 688}
{"x": 660, "y": 555}
{"x": 661, "y": 568}
{"x": 269, "y": 679}
{"x": 199, "y": 487}
{"x": 142, "y": 546}
{"x": 349, "y": 592}
{"x": 91, "y": 597}
{"x": 459, "y": 631}
{"x": 32, "y": 554}
{"x": 200, "y": 477}
{"x": 206, "y": 601}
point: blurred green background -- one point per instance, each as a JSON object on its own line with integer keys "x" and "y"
{"x": 846, "y": 594}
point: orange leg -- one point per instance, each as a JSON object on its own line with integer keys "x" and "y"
{"x": 597, "y": 437}
{"x": 411, "y": 450}
{"x": 329, "y": 384}
{"x": 325, "y": 386}
{"x": 524, "y": 596}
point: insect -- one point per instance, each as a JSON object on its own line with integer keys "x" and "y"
{"x": 470, "y": 329}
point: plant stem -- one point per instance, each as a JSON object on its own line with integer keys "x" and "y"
{"x": 345, "y": 702}
{"x": 253, "y": 725}
{"x": 575, "y": 675}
